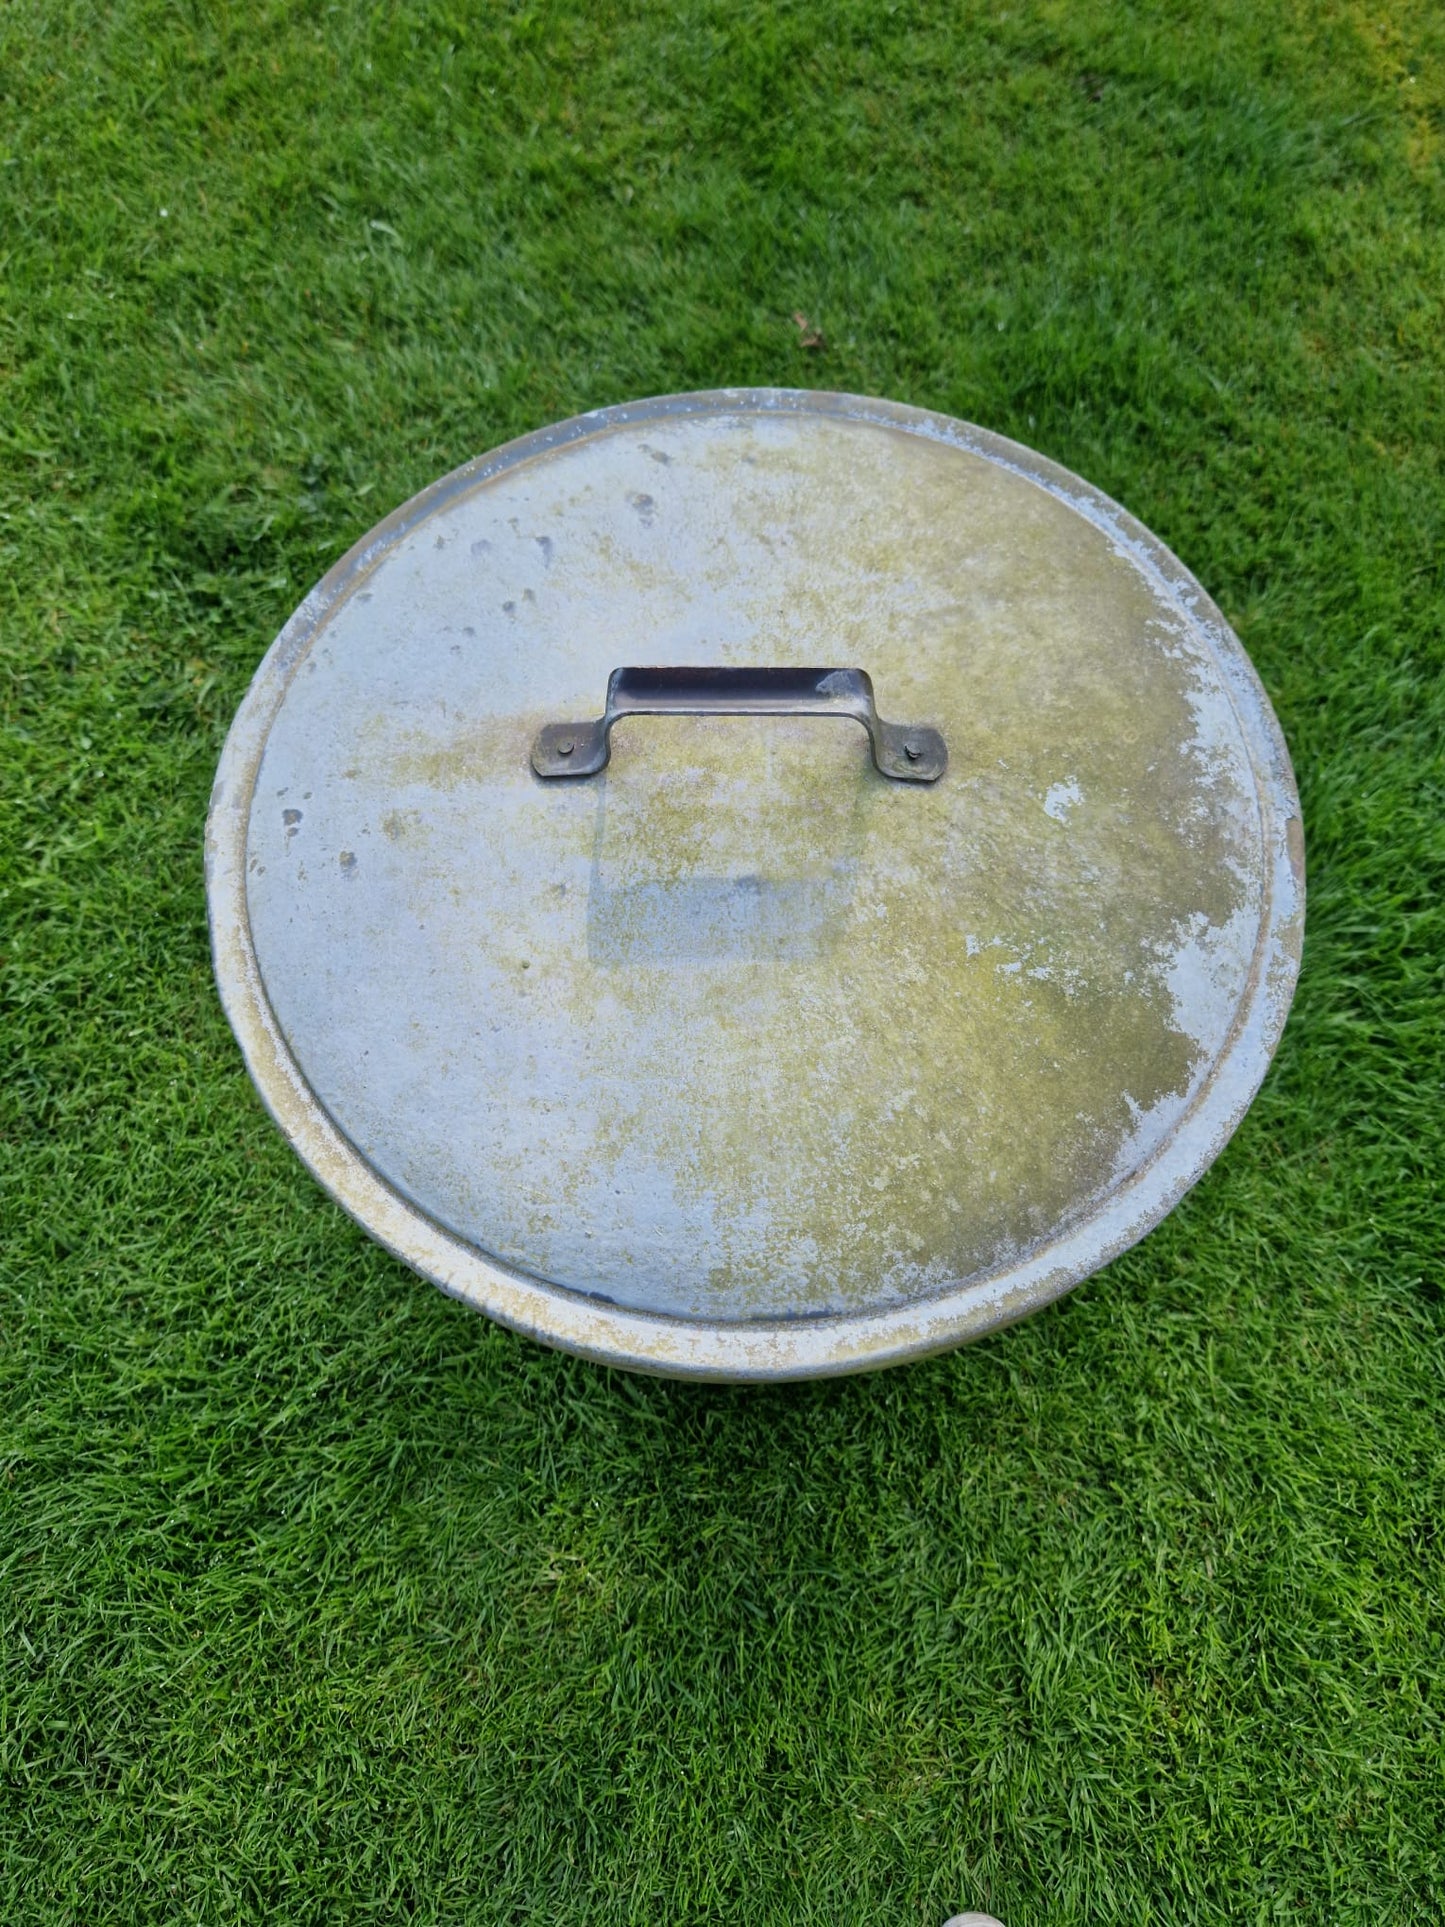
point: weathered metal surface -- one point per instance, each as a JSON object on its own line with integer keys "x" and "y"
{"x": 744, "y": 1062}
{"x": 907, "y": 752}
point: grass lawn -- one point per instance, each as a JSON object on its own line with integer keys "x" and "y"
{"x": 321, "y": 1599}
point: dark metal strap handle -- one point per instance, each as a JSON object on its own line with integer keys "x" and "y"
{"x": 912, "y": 754}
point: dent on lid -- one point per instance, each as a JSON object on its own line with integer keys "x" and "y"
{"x": 739, "y": 1028}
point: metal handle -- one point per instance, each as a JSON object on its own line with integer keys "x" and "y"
{"x": 908, "y": 753}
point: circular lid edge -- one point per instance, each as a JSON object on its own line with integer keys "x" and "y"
{"x": 773, "y": 1349}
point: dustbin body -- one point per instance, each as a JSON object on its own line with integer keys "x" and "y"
{"x": 739, "y": 1056}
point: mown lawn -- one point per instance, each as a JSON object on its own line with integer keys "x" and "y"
{"x": 321, "y": 1599}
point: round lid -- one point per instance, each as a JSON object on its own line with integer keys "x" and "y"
{"x": 771, "y": 1045}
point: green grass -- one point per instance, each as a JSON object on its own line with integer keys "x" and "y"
{"x": 323, "y": 1600}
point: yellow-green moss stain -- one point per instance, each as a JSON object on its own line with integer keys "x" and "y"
{"x": 765, "y": 1032}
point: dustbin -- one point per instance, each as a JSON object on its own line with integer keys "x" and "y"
{"x": 758, "y": 884}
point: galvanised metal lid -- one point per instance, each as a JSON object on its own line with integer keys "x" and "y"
{"x": 608, "y": 972}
